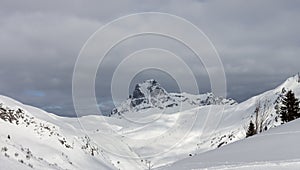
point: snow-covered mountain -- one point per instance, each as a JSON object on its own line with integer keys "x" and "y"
{"x": 144, "y": 131}
{"x": 150, "y": 94}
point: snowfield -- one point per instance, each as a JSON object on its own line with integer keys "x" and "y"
{"x": 277, "y": 148}
{"x": 153, "y": 129}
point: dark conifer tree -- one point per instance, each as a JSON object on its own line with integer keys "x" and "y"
{"x": 290, "y": 107}
{"x": 251, "y": 130}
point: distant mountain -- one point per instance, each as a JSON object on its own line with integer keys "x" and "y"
{"x": 138, "y": 135}
{"x": 150, "y": 94}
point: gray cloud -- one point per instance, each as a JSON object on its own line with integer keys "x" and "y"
{"x": 258, "y": 42}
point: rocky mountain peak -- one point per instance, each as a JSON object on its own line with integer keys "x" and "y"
{"x": 150, "y": 94}
{"x": 147, "y": 92}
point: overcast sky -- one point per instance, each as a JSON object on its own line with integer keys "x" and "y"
{"x": 258, "y": 42}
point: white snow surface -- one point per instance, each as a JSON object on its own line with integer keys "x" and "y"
{"x": 198, "y": 136}
{"x": 277, "y": 148}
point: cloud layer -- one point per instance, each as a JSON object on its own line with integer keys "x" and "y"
{"x": 258, "y": 42}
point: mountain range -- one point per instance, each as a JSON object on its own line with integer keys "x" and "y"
{"x": 154, "y": 129}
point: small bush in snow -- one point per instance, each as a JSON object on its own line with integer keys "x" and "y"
{"x": 4, "y": 149}
{"x": 6, "y": 155}
{"x": 30, "y": 165}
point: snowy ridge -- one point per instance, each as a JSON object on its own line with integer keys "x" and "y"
{"x": 257, "y": 152}
{"x": 38, "y": 144}
{"x": 33, "y": 143}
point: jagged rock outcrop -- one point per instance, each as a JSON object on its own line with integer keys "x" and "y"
{"x": 150, "y": 94}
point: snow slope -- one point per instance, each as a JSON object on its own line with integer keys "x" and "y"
{"x": 45, "y": 141}
{"x": 150, "y": 129}
{"x": 37, "y": 143}
{"x": 277, "y": 148}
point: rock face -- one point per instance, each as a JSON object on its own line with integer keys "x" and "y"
{"x": 150, "y": 94}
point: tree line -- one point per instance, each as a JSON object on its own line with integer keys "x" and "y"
{"x": 287, "y": 110}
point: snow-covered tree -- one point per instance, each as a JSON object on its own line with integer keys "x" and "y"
{"x": 262, "y": 113}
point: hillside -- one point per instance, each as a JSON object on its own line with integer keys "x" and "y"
{"x": 277, "y": 148}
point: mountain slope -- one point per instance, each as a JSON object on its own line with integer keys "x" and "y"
{"x": 236, "y": 153}
{"x": 58, "y": 143}
{"x": 277, "y": 148}
{"x": 197, "y": 130}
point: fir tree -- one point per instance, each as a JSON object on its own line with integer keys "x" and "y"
{"x": 251, "y": 130}
{"x": 290, "y": 107}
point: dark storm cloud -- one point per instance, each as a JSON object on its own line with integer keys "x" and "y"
{"x": 258, "y": 42}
